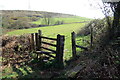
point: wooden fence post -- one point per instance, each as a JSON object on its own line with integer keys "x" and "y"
{"x": 60, "y": 48}
{"x": 91, "y": 37}
{"x": 73, "y": 45}
{"x": 39, "y": 41}
{"x": 36, "y": 41}
{"x": 32, "y": 42}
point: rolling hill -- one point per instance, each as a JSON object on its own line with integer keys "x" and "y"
{"x": 23, "y": 19}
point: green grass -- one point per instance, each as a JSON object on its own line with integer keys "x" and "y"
{"x": 64, "y": 20}
{"x": 52, "y": 31}
{"x": 49, "y": 31}
{"x": 12, "y": 72}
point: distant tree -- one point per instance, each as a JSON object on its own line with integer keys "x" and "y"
{"x": 59, "y": 22}
{"x": 47, "y": 18}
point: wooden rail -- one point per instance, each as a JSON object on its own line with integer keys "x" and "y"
{"x": 74, "y": 46}
{"x": 85, "y": 48}
{"x": 49, "y": 49}
{"x": 48, "y": 38}
{"x": 49, "y": 44}
{"x": 36, "y": 45}
{"x": 47, "y": 53}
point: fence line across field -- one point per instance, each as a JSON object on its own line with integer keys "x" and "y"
{"x": 74, "y": 45}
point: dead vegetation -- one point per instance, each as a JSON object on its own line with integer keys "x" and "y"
{"x": 105, "y": 51}
{"x": 106, "y": 67}
{"x": 15, "y": 49}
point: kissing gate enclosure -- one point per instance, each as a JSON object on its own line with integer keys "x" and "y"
{"x": 37, "y": 41}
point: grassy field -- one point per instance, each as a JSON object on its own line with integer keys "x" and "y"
{"x": 64, "y": 20}
{"x": 49, "y": 31}
{"x": 52, "y": 31}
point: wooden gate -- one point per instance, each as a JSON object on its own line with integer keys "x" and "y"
{"x": 36, "y": 45}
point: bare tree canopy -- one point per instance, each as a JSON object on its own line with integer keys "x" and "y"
{"x": 110, "y": 0}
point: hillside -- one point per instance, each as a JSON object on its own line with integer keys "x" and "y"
{"x": 23, "y": 19}
{"x": 23, "y": 13}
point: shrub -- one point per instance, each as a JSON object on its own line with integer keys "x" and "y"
{"x": 15, "y": 23}
{"x": 100, "y": 31}
{"x": 59, "y": 22}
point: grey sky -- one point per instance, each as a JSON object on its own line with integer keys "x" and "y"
{"x": 76, "y": 7}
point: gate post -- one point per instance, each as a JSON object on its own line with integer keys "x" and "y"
{"x": 73, "y": 45}
{"x": 39, "y": 39}
{"x": 32, "y": 42}
{"x": 60, "y": 49}
{"x": 36, "y": 41}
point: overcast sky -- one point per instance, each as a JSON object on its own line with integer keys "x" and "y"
{"x": 76, "y": 7}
